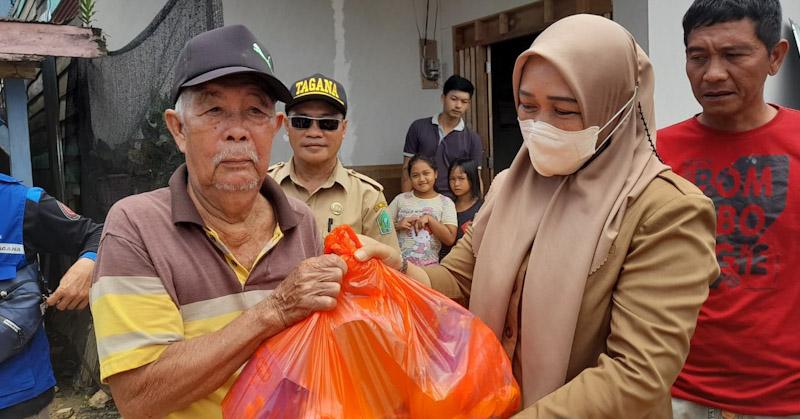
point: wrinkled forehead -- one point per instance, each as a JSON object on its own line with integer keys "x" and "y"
{"x": 238, "y": 84}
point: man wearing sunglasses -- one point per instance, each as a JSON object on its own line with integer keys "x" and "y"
{"x": 316, "y": 126}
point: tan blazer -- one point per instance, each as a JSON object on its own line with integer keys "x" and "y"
{"x": 638, "y": 311}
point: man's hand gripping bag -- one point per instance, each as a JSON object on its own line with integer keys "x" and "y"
{"x": 392, "y": 348}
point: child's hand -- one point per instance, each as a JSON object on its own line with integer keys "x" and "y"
{"x": 422, "y": 223}
{"x": 406, "y": 223}
{"x": 466, "y": 226}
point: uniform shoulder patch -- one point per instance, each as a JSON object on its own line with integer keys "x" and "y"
{"x": 379, "y": 206}
{"x": 274, "y": 171}
{"x": 384, "y": 222}
{"x": 275, "y": 167}
{"x": 68, "y": 212}
{"x": 366, "y": 179}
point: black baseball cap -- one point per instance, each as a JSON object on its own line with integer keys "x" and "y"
{"x": 318, "y": 87}
{"x": 224, "y": 51}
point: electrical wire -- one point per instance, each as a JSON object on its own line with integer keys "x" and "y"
{"x": 427, "y": 18}
{"x": 416, "y": 21}
{"x": 436, "y": 19}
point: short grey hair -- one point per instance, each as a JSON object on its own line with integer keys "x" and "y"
{"x": 184, "y": 98}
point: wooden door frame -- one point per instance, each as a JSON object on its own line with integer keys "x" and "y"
{"x": 481, "y": 33}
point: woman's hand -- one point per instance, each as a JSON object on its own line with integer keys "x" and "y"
{"x": 391, "y": 257}
{"x": 374, "y": 249}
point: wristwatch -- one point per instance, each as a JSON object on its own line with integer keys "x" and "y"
{"x": 404, "y": 265}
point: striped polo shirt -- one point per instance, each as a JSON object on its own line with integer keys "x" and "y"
{"x": 162, "y": 276}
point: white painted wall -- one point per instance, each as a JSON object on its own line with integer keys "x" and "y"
{"x": 673, "y": 95}
{"x": 371, "y": 47}
{"x": 122, "y": 20}
{"x": 784, "y": 89}
{"x": 368, "y": 45}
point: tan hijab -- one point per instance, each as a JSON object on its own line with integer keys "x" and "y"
{"x": 573, "y": 219}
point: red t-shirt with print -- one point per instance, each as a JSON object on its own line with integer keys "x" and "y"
{"x": 745, "y": 353}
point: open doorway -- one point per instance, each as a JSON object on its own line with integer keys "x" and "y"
{"x": 506, "y": 137}
{"x": 484, "y": 51}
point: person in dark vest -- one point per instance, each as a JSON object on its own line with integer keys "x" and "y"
{"x": 31, "y": 221}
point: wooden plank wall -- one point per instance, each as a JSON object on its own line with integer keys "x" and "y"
{"x": 387, "y": 174}
{"x": 471, "y": 64}
{"x": 38, "y": 132}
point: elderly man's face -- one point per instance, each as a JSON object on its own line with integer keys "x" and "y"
{"x": 225, "y": 128}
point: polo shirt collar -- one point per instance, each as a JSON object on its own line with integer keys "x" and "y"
{"x": 184, "y": 211}
{"x": 459, "y": 127}
{"x": 339, "y": 176}
{"x": 282, "y": 173}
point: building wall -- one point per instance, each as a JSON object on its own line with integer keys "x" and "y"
{"x": 674, "y": 99}
{"x": 122, "y": 20}
{"x": 368, "y": 45}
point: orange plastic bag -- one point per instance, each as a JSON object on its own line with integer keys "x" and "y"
{"x": 392, "y": 348}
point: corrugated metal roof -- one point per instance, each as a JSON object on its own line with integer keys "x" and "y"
{"x": 65, "y": 12}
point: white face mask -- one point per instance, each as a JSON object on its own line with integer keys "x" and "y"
{"x": 554, "y": 151}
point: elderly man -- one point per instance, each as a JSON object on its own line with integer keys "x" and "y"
{"x": 744, "y": 359}
{"x": 191, "y": 278}
{"x": 316, "y": 126}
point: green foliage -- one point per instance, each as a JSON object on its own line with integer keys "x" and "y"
{"x": 153, "y": 157}
{"x": 86, "y": 11}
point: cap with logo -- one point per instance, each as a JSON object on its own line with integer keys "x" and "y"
{"x": 318, "y": 87}
{"x": 222, "y": 52}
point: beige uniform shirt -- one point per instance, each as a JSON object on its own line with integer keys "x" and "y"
{"x": 347, "y": 197}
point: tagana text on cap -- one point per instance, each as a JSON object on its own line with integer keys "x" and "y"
{"x": 222, "y": 52}
{"x": 318, "y": 87}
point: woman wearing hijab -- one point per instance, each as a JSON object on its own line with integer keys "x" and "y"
{"x": 590, "y": 258}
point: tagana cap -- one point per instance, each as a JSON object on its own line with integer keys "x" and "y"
{"x": 222, "y": 52}
{"x": 318, "y": 87}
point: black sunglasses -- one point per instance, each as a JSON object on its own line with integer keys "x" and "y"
{"x": 304, "y": 122}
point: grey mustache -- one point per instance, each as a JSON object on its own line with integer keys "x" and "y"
{"x": 236, "y": 151}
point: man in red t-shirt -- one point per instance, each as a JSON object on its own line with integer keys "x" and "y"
{"x": 745, "y": 154}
